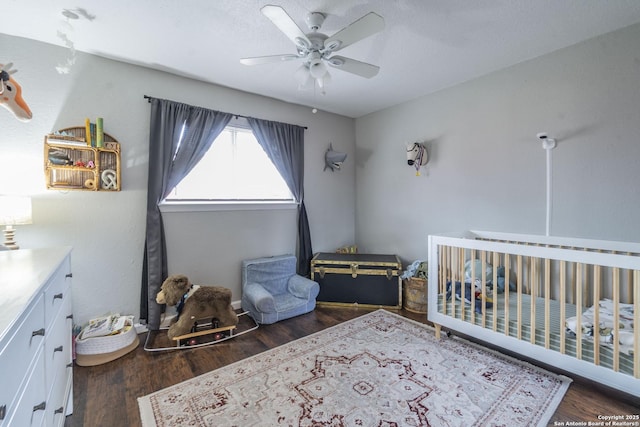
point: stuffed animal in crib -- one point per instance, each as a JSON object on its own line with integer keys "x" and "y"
{"x": 194, "y": 303}
{"x": 11, "y": 94}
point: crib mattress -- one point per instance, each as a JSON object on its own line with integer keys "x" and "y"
{"x": 605, "y": 353}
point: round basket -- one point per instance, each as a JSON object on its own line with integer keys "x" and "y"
{"x": 415, "y": 295}
{"x": 98, "y": 350}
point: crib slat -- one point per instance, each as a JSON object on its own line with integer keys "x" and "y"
{"x": 579, "y": 310}
{"x": 596, "y": 315}
{"x": 563, "y": 297}
{"x": 636, "y": 323}
{"x": 462, "y": 280}
{"x": 507, "y": 275}
{"x": 496, "y": 263}
{"x": 573, "y": 285}
{"x": 547, "y": 303}
{"x": 616, "y": 315}
{"x": 483, "y": 281}
{"x": 452, "y": 277}
{"x": 519, "y": 297}
{"x": 473, "y": 274}
{"x": 463, "y": 295}
{"x": 454, "y": 272}
{"x": 441, "y": 276}
{"x": 444, "y": 272}
{"x": 629, "y": 283}
{"x": 534, "y": 294}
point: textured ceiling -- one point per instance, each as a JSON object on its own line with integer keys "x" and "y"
{"x": 427, "y": 45}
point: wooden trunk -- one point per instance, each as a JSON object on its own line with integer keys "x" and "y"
{"x": 364, "y": 279}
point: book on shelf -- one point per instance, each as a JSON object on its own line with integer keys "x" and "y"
{"x": 66, "y": 140}
{"x": 99, "y": 132}
{"x": 87, "y": 131}
{"x": 92, "y": 127}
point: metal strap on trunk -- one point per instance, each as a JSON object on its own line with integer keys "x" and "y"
{"x": 354, "y": 271}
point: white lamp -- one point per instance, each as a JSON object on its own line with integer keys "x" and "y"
{"x": 14, "y": 210}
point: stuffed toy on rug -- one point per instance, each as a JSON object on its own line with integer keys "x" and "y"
{"x": 194, "y": 303}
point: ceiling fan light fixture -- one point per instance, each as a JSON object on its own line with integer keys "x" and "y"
{"x": 301, "y": 43}
{"x": 302, "y": 76}
{"x": 333, "y": 45}
{"x": 324, "y": 81}
{"x": 317, "y": 69}
{"x": 336, "y": 62}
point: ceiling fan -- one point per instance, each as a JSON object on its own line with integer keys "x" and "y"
{"x": 316, "y": 49}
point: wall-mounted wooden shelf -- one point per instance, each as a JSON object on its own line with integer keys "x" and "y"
{"x": 70, "y": 164}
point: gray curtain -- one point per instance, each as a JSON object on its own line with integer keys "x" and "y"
{"x": 179, "y": 136}
{"x": 284, "y": 144}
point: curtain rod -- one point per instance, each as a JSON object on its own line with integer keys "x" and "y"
{"x": 149, "y": 98}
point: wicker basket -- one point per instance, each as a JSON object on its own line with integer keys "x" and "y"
{"x": 415, "y": 295}
{"x": 98, "y": 350}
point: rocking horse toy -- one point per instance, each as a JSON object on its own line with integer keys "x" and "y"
{"x": 11, "y": 94}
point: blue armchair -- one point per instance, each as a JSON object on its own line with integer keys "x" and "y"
{"x": 272, "y": 291}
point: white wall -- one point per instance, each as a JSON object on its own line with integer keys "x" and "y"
{"x": 487, "y": 169}
{"x": 106, "y": 230}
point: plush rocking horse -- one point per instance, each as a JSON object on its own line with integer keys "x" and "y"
{"x": 195, "y": 302}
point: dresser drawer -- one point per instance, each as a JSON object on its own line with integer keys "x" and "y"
{"x": 57, "y": 400}
{"x": 31, "y": 404}
{"x": 56, "y": 291}
{"x": 57, "y": 347}
{"x": 20, "y": 352}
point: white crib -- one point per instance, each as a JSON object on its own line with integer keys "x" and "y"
{"x": 559, "y": 304}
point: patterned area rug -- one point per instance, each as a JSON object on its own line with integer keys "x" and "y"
{"x": 379, "y": 369}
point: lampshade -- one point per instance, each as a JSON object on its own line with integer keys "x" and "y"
{"x": 303, "y": 77}
{"x": 317, "y": 69}
{"x": 15, "y": 210}
{"x": 324, "y": 81}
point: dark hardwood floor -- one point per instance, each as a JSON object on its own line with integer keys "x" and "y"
{"x": 106, "y": 395}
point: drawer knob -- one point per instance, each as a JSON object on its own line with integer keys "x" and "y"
{"x": 38, "y": 332}
{"x": 59, "y": 410}
{"x": 70, "y": 365}
{"x": 57, "y": 349}
{"x": 40, "y": 407}
{"x": 57, "y": 296}
{"x": 68, "y": 275}
{"x": 3, "y": 412}
{"x": 70, "y": 316}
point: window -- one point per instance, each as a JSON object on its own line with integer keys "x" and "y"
{"x": 235, "y": 168}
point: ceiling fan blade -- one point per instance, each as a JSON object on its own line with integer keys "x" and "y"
{"x": 352, "y": 66}
{"x": 258, "y": 60}
{"x": 364, "y": 27}
{"x": 283, "y": 21}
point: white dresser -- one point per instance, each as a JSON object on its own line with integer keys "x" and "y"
{"x": 36, "y": 367}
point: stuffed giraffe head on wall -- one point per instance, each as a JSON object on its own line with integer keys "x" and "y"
{"x": 11, "y": 94}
